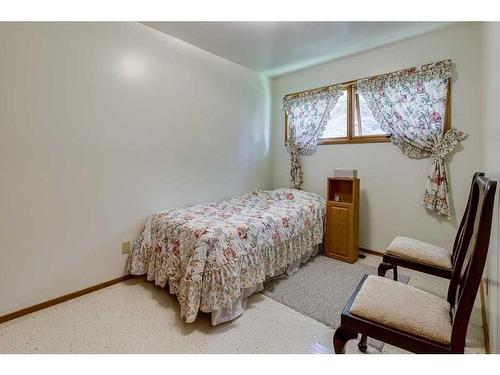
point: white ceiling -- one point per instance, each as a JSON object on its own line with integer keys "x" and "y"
{"x": 274, "y": 48}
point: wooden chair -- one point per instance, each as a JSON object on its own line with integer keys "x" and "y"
{"x": 424, "y": 257}
{"x": 413, "y": 319}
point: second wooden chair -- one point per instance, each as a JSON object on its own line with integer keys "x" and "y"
{"x": 416, "y": 320}
{"x": 425, "y": 257}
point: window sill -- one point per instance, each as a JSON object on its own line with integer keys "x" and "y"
{"x": 365, "y": 139}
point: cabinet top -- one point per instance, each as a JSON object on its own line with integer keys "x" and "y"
{"x": 343, "y": 178}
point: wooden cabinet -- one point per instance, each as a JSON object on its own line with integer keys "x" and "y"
{"x": 342, "y": 218}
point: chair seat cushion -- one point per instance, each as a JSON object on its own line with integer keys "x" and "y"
{"x": 397, "y": 305}
{"x": 420, "y": 252}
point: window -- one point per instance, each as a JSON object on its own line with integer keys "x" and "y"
{"x": 364, "y": 125}
{"x": 351, "y": 121}
{"x": 337, "y": 123}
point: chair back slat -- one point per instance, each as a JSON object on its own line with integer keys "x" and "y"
{"x": 460, "y": 238}
{"x": 465, "y": 279}
{"x": 466, "y": 233}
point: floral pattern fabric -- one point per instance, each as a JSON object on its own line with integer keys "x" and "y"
{"x": 410, "y": 105}
{"x": 208, "y": 253}
{"x": 308, "y": 114}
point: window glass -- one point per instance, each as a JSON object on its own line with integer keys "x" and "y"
{"x": 337, "y": 124}
{"x": 364, "y": 123}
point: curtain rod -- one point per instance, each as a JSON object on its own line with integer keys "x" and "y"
{"x": 349, "y": 83}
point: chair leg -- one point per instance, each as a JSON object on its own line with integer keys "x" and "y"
{"x": 395, "y": 272}
{"x": 362, "y": 343}
{"x": 340, "y": 339}
{"x": 383, "y": 267}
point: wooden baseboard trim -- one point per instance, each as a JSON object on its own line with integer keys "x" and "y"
{"x": 67, "y": 297}
{"x": 377, "y": 253}
{"x": 484, "y": 318}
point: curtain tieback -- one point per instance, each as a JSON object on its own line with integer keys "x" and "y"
{"x": 447, "y": 144}
{"x": 437, "y": 155}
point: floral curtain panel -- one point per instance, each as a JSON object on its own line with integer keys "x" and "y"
{"x": 308, "y": 115}
{"x": 411, "y": 105}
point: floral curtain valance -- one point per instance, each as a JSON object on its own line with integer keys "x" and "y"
{"x": 411, "y": 105}
{"x": 308, "y": 114}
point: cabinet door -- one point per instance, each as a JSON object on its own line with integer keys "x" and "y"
{"x": 339, "y": 230}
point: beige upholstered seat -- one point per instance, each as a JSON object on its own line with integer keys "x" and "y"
{"x": 420, "y": 252}
{"x": 397, "y": 305}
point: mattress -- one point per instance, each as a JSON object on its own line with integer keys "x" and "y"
{"x": 210, "y": 253}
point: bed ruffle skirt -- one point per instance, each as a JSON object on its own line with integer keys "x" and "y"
{"x": 220, "y": 288}
{"x": 237, "y": 307}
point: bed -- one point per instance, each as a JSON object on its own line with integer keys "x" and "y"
{"x": 214, "y": 256}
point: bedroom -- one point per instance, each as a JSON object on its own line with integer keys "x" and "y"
{"x": 147, "y": 204}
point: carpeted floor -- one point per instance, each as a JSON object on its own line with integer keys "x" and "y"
{"x": 321, "y": 288}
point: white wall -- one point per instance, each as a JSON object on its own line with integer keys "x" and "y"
{"x": 102, "y": 124}
{"x": 491, "y": 153}
{"x": 392, "y": 184}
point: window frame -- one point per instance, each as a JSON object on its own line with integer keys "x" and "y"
{"x": 350, "y": 87}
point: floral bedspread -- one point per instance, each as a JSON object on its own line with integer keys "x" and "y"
{"x": 208, "y": 253}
